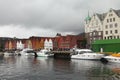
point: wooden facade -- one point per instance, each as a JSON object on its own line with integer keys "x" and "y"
{"x": 58, "y": 42}
{"x": 69, "y": 41}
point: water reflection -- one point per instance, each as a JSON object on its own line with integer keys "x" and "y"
{"x": 44, "y": 63}
{"x": 115, "y": 69}
{"x": 94, "y": 70}
{"x": 43, "y": 68}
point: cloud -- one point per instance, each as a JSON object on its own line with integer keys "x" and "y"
{"x": 15, "y": 30}
{"x": 65, "y": 16}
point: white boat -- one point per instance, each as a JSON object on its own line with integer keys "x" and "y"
{"x": 44, "y": 53}
{"x": 9, "y": 53}
{"x": 86, "y": 54}
{"x": 27, "y": 52}
{"x": 113, "y": 58}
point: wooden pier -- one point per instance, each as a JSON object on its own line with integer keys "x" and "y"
{"x": 62, "y": 54}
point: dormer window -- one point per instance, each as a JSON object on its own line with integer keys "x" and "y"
{"x": 110, "y": 10}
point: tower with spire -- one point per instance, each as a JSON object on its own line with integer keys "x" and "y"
{"x": 88, "y": 18}
{"x": 87, "y": 21}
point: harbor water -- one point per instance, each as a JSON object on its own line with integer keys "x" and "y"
{"x": 41, "y": 68}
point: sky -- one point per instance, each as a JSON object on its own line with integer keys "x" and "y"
{"x": 46, "y": 18}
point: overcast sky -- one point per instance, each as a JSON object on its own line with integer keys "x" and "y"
{"x": 25, "y": 18}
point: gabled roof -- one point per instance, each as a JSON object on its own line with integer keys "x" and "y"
{"x": 117, "y": 12}
{"x": 101, "y": 16}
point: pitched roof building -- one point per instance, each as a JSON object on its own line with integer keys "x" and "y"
{"x": 103, "y": 26}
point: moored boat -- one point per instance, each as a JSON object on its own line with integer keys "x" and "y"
{"x": 9, "y": 53}
{"x": 27, "y": 52}
{"x": 44, "y": 53}
{"x": 86, "y": 54}
{"x": 113, "y": 58}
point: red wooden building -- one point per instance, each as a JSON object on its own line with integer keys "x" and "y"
{"x": 38, "y": 42}
{"x": 69, "y": 41}
{"x": 59, "y": 42}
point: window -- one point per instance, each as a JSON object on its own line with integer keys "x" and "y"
{"x": 105, "y": 37}
{"x": 114, "y": 37}
{"x": 106, "y": 32}
{"x": 110, "y": 14}
{"x": 116, "y": 24}
{"x": 118, "y": 37}
{"x": 107, "y": 20}
{"x": 110, "y": 19}
{"x": 106, "y": 26}
{"x": 116, "y": 31}
{"x": 113, "y": 19}
{"x": 111, "y": 31}
{"x": 111, "y": 25}
{"x": 110, "y": 10}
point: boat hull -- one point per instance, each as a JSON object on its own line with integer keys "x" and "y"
{"x": 27, "y": 52}
{"x": 44, "y": 55}
{"x": 87, "y": 56}
{"x": 8, "y": 54}
{"x": 112, "y": 59}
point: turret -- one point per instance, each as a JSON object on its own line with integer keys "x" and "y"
{"x": 87, "y": 19}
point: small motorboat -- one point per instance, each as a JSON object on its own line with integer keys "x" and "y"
{"x": 9, "y": 53}
{"x": 113, "y": 58}
{"x": 44, "y": 53}
{"x": 27, "y": 52}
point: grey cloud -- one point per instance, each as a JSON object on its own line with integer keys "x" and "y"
{"x": 58, "y": 15}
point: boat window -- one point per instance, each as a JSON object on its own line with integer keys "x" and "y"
{"x": 89, "y": 51}
{"x": 29, "y": 51}
{"x": 81, "y": 52}
{"x": 47, "y": 52}
{"x": 76, "y": 52}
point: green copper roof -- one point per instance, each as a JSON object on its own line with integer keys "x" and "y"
{"x": 110, "y": 41}
{"x": 88, "y": 18}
